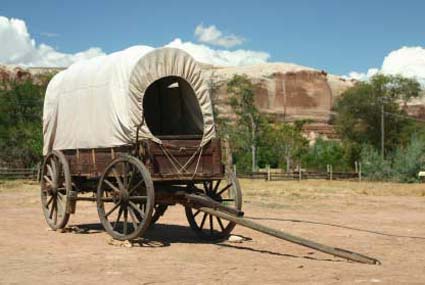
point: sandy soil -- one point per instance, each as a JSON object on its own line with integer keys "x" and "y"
{"x": 30, "y": 253}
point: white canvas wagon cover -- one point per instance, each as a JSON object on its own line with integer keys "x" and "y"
{"x": 99, "y": 102}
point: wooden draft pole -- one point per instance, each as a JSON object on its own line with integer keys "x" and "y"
{"x": 353, "y": 256}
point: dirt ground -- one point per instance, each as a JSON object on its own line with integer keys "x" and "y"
{"x": 170, "y": 253}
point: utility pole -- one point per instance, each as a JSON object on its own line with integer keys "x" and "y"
{"x": 382, "y": 131}
{"x": 284, "y": 97}
{"x": 254, "y": 155}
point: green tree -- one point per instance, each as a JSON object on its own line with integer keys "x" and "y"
{"x": 324, "y": 153}
{"x": 281, "y": 144}
{"x": 409, "y": 160}
{"x": 359, "y": 109}
{"x": 246, "y": 128}
{"x": 21, "y": 109}
{"x": 373, "y": 166}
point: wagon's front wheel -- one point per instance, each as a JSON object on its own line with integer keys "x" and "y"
{"x": 228, "y": 193}
{"x": 125, "y": 198}
{"x": 55, "y": 182}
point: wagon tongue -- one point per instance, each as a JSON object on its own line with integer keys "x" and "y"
{"x": 209, "y": 206}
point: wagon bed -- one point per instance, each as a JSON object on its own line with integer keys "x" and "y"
{"x": 159, "y": 159}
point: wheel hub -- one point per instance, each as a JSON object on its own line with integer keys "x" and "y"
{"x": 124, "y": 196}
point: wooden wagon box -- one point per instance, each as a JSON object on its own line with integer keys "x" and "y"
{"x": 91, "y": 163}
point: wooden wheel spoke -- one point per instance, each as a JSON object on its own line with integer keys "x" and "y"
{"x": 56, "y": 211}
{"x": 50, "y": 171}
{"x": 125, "y": 175}
{"x": 49, "y": 201}
{"x": 118, "y": 218}
{"x": 48, "y": 179}
{"x": 55, "y": 170}
{"x": 60, "y": 205}
{"x": 125, "y": 221}
{"x": 224, "y": 189}
{"x": 201, "y": 226}
{"x": 220, "y": 223}
{"x": 134, "y": 206}
{"x": 133, "y": 217}
{"x": 113, "y": 187}
{"x": 211, "y": 224}
{"x": 113, "y": 209}
{"x": 216, "y": 186}
{"x": 136, "y": 186}
{"x": 62, "y": 191}
{"x": 52, "y": 209}
{"x": 60, "y": 196}
{"x": 118, "y": 178}
{"x": 196, "y": 213}
{"x": 131, "y": 179}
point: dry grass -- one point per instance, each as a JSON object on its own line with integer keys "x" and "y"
{"x": 18, "y": 185}
{"x": 326, "y": 187}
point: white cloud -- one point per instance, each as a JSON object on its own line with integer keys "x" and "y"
{"x": 206, "y": 54}
{"x": 213, "y": 36}
{"x": 361, "y": 75}
{"x": 406, "y": 61}
{"x": 17, "y": 47}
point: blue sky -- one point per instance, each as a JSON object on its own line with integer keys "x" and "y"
{"x": 337, "y": 36}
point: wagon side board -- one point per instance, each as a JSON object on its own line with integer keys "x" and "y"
{"x": 205, "y": 164}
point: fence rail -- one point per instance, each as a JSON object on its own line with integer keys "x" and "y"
{"x": 296, "y": 175}
{"x": 18, "y": 173}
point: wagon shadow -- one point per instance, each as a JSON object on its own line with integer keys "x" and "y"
{"x": 163, "y": 235}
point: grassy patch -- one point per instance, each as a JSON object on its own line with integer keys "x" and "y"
{"x": 18, "y": 185}
{"x": 323, "y": 189}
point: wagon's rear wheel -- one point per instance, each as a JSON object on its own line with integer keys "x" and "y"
{"x": 227, "y": 192}
{"x": 55, "y": 182}
{"x": 125, "y": 198}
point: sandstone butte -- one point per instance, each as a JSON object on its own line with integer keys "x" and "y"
{"x": 285, "y": 92}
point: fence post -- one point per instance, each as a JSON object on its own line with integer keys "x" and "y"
{"x": 330, "y": 172}
{"x": 299, "y": 172}
{"x": 234, "y": 170}
{"x": 269, "y": 178}
{"x": 356, "y": 167}
{"x": 360, "y": 172}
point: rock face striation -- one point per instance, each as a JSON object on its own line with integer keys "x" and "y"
{"x": 286, "y": 92}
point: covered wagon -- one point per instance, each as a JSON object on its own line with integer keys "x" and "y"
{"x": 134, "y": 132}
{"x": 136, "y": 129}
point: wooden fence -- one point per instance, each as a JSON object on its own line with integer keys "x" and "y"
{"x": 18, "y": 173}
{"x": 297, "y": 175}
